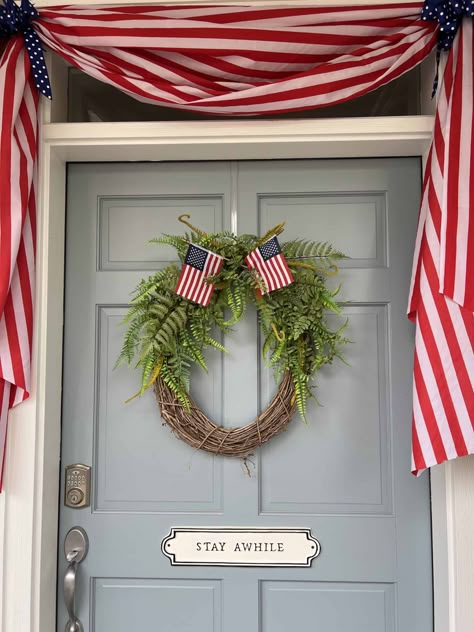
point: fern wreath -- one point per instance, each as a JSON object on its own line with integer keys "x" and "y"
{"x": 167, "y": 334}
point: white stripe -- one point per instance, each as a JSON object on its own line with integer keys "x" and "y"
{"x": 19, "y": 397}
{"x": 4, "y": 420}
{"x": 29, "y": 247}
{"x": 5, "y": 355}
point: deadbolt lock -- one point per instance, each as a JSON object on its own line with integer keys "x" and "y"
{"x": 77, "y": 486}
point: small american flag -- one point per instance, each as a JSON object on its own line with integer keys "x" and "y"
{"x": 271, "y": 265}
{"x": 198, "y": 265}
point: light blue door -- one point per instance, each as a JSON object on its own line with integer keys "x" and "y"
{"x": 345, "y": 475}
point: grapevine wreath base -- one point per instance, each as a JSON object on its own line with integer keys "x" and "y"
{"x": 198, "y": 431}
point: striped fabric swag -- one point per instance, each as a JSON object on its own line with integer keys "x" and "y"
{"x": 442, "y": 299}
{"x": 242, "y": 60}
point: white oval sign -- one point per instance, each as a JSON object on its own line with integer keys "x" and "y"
{"x": 235, "y": 546}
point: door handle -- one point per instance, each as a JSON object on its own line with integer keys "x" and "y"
{"x": 76, "y": 546}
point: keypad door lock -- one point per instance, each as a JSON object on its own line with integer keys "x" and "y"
{"x": 77, "y": 486}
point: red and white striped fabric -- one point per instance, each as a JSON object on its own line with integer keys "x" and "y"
{"x": 224, "y": 60}
{"x": 442, "y": 293}
{"x": 18, "y": 150}
{"x": 241, "y": 60}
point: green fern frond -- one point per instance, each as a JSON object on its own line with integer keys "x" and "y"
{"x": 208, "y": 340}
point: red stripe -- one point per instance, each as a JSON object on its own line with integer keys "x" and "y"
{"x": 435, "y": 210}
{"x": 418, "y": 458}
{"x": 469, "y": 283}
{"x": 453, "y": 174}
{"x": 10, "y": 55}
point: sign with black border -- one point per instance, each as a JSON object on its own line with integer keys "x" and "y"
{"x": 238, "y": 546}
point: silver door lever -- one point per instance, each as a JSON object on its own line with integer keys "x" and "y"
{"x": 76, "y": 546}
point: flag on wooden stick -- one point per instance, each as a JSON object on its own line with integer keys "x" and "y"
{"x": 271, "y": 265}
{"x": 199, "y": 264}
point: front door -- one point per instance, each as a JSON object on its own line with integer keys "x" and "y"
{"x": 345, "y": 475}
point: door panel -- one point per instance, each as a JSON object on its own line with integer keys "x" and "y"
{"x": 345, "y": 474}
{"x": 352, "y": 450}
{"x": 147, "y": 483}
{"x": 164, "y": 605}
{"x": 342, "y": 607}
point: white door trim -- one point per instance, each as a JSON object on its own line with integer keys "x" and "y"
{"x": 30, "y": 508}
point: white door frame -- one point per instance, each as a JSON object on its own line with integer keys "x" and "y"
{"x": 29, "y": 508}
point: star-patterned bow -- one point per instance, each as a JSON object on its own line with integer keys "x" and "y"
{"x": 18, "y": 19}
{"x": 449, "y": 14}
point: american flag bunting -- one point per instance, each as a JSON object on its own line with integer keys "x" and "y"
{"x": 441, "y": 298}
{"x": 249, "y": 60}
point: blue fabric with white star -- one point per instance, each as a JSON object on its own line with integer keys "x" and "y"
{"x": 196, "y": 257}
{"x": 16, "y": 19}
{"x": 449, "y": 14}
{"x": 270, "y": 249}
